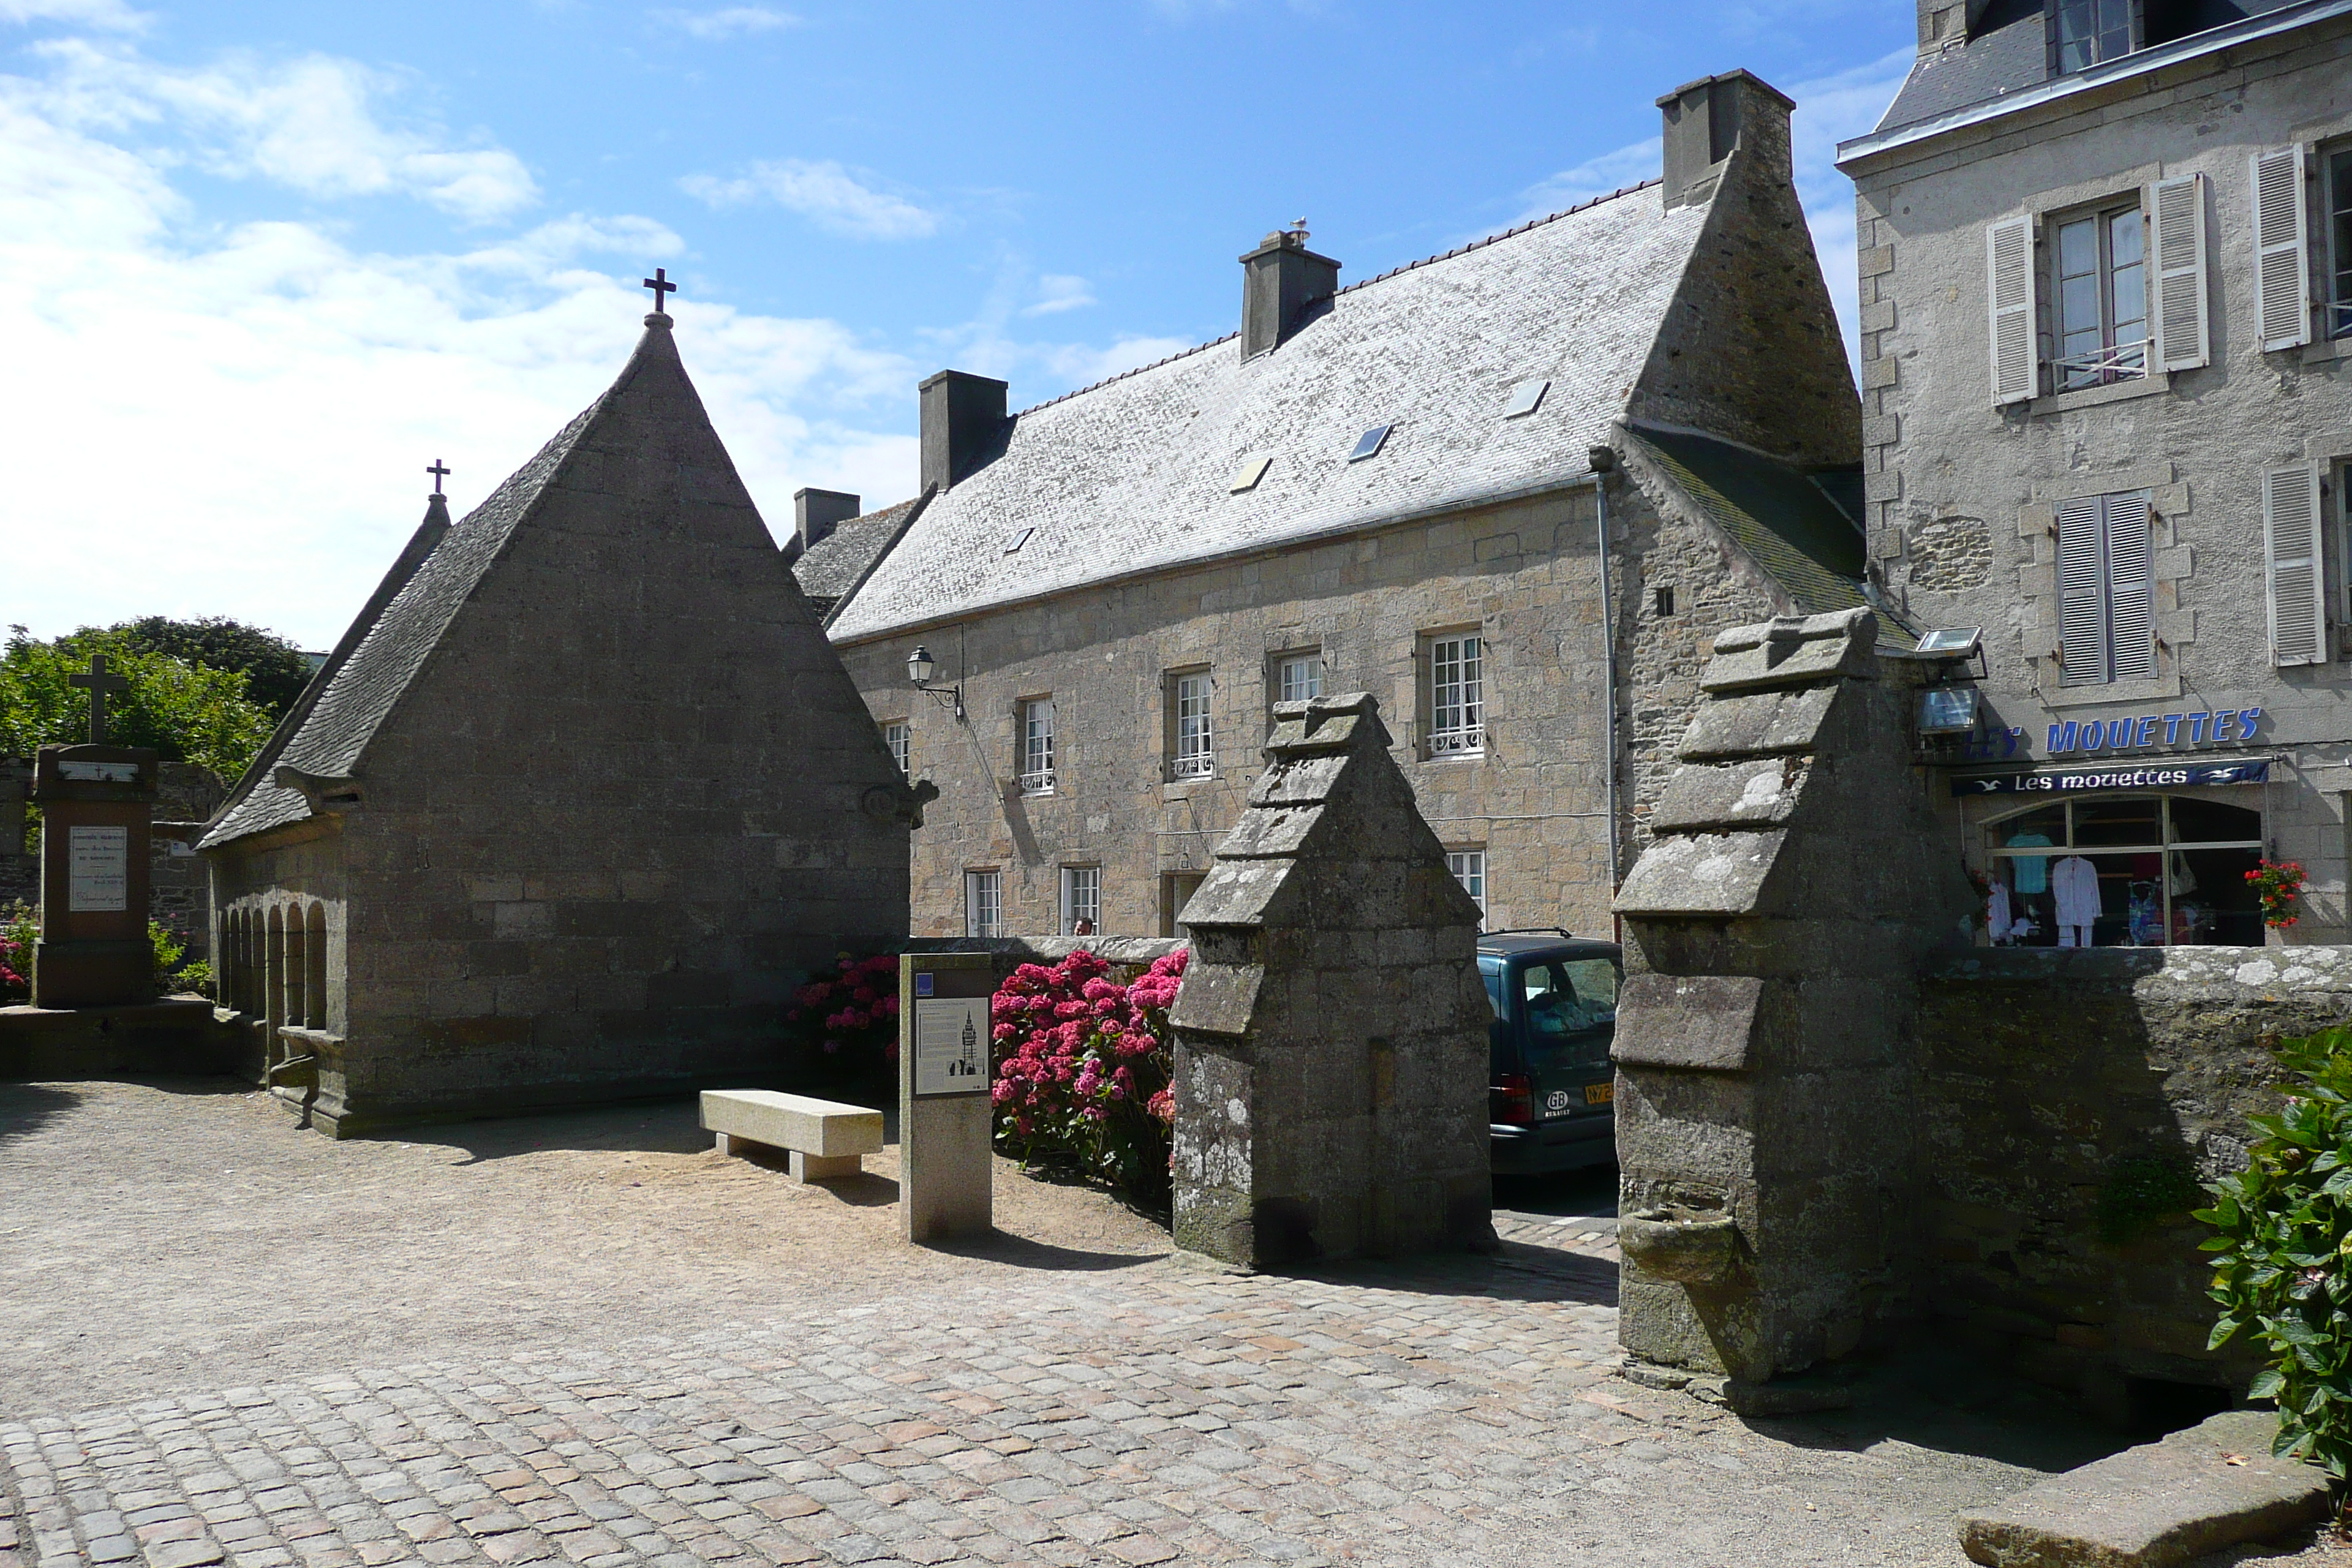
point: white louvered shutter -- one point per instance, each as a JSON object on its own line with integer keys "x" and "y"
{"x": 2282, "y": 286}
{"x": 2295, "y": 564}
{"x": 2008, "y": 273}
{"x": 2181, "y": 291}
{"x": 2131, "y": 590}
{"x": 2082, "y": 593}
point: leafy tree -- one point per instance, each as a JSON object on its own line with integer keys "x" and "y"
{"x": 188, "y": 712}
{"x": 275, "y": 671}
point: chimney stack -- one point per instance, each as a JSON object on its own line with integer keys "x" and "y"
{"x": 961, "y": 416}
{"x": 1707, "y": 120}
{"x": 816, "y": 513}
{"x": 1280, "y": 279}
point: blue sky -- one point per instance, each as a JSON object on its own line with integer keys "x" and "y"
{"x": 271, "y": 259}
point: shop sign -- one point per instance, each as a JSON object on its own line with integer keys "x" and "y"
{"x": 2217, "y": 727}
{"x": 2169, "y": 775}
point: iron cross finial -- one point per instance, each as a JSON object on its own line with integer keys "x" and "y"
{"x": 438, "y": 473}
{"x": 663, "y": 288}
{"x": 100, "y": 683}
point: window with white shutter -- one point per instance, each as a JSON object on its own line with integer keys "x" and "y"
{"x": 2106, "y": 590}
{"x": 2008, "y": 273}
{"x": 2293, "y": 559}
{"x": 2282, "y": 270}
{"x": 2181, "y": 291}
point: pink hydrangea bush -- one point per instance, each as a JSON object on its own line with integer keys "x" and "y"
{"x": 844, "y": 1025}
{"x": 1082, "y": 1069}
{"x": 16, "y": 933}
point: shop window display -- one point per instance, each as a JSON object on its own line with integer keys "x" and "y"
{"x": 2125, "y": 871}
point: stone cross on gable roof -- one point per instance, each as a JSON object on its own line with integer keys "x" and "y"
{"x": 663, "y": 288}
{"x": 100, "y": 683}
{"x": 439, "y": 471}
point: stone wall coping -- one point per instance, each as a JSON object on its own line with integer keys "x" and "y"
{"x": 2318, "y": 968}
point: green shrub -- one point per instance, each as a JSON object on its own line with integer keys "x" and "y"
{"x": 197, "y": 977}
{"x": 2285, "y": 1227}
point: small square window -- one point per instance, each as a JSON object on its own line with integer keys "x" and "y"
{"x": 1298, "y": 677}
{"x": 983, "y": 903}
{"x": 1037, "y": 746}
{"x": 1526, "y": 398}
{"x": 1252, "y": 469}
{"x": 1469, "y": 868}
{"x": 1081, "y": 901}
{"x": 898, "y": 735}
{"x": 1662, "y": 601}
{"x": 1193, "y": 750}
{"x": 1370, "y": 443}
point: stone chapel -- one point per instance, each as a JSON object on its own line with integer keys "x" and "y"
{"x": 578, "y": 798}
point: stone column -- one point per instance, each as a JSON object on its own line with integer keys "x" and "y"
{"x": 1766, "y": 1035}
{"x": 1331, "y": 1030}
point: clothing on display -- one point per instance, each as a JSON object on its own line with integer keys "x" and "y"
{"x": 1997, "y": 919}
{"x": 2074, "y": 883}
{"x": 2030, "y": 872}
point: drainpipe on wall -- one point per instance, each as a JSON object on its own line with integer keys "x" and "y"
{"x": 1604, "y": 463}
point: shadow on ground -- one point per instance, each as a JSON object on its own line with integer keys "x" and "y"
{"x": 1590, "y": 1192}
{"x": 1512, "y": 1273}
{"x": 25, "y": 1107}
{"x": 1002, "y": 1246}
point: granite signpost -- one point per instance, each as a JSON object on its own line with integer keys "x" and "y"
{"x": 93, "y": 950}
{"x": 944, "y": 1108}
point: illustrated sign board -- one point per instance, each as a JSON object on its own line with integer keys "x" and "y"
{"x": 98, "y": 863}
{"x": 2175, "y": 776}
{"x": 952, "y": 1034}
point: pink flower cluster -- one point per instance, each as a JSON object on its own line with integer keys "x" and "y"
{"x": 857, "y": 1009}
{"x": 1082, "y": 1065}
{"x": 17, "y": 954}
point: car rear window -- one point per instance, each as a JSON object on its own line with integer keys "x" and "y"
{"x": 1490, "y": 970}
{"x": 1563, "y": 996}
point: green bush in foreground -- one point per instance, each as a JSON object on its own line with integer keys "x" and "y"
{"x": 2285, "y": 1227}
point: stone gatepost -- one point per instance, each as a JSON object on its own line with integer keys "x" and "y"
{"x": 1331, "y": 1030}
{"x": 1766, "y": 1034}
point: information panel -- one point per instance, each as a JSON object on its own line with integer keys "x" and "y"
{"x": 950, "y": 1045}
{"x": 99, "y": 870}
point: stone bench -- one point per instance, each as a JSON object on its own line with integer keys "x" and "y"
{"x": 825, "y": 1138}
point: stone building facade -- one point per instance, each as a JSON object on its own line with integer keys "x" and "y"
{"x": 1396, "y": 488}
{"x": 2106, "y": 304}
{"x": 577, "y": 800}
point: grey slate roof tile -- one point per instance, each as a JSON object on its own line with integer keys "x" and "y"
{"x": 830, "y": 567}
{"x": 360, "y": 693}
{"x": 1133, "y": 475}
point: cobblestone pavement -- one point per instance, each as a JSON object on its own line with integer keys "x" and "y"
{"x": 873, "y": 1404}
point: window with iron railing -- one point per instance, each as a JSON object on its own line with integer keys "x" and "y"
{"x": 1194, "y": 755}
{"x": 1457, "y": 695}
{"x": 2100, "y": 287}
{"x": 1037, "y": 746}
{"x": 2339, "y": 242}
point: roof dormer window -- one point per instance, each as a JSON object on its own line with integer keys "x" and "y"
{"x": 2086, "y": 32}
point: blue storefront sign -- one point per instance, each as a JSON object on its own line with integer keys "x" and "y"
{"x": 2192, "y": 729}
{"x": 2159, "y": 775}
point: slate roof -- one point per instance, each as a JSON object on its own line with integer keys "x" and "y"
{"x": 1791, "y": 522}
{"x": 832, "y": 566}
{"x": 350, "y": 697}
{"x": 1133, "y": 475}
{"x": 2010, "y": 51}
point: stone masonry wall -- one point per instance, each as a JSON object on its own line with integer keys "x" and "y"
{"x": 1521, "y": 574}
{"x": 1941, "y": 461}
{"x": 2051, "y": 1076}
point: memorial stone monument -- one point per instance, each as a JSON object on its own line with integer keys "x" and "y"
{"x": 1331, "y": 1032}
{"x": 93, "y": 950}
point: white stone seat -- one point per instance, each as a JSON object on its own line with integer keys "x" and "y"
{"x": 825, "y": 1139}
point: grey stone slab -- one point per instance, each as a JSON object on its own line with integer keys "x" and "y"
{"x": 2156, "y": 1505}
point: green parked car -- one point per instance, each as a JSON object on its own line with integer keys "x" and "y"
{"x": 1550, "y": 1085}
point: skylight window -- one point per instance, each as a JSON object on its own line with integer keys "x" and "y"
{"x": 1252, "y": 469}
{"x": 1018, "y": 540}
{"x": 1526, "y": 398}
{"x": 1368, "y": 444}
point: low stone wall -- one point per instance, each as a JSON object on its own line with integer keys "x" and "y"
{"x": 2059, "y": 1089}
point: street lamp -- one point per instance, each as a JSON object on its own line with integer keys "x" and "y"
{"x": 919, "y": 666}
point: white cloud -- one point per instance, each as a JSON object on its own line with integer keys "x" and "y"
{"x": 1628, "y": 165}
{"x": 729, "y": 22}
{"x": 1081, "y": 365}
{"x": 236, "y": 420}
{"x": 311, "y": 125}
{"x": 110, "y": 16}
{"x": 1057, "y": 292}
{"x": 824, "y": 192}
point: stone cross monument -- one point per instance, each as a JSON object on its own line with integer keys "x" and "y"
{"x": 95, "y": 802}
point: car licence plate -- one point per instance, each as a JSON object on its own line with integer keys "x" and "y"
{"x": 1600, "y": 1093}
